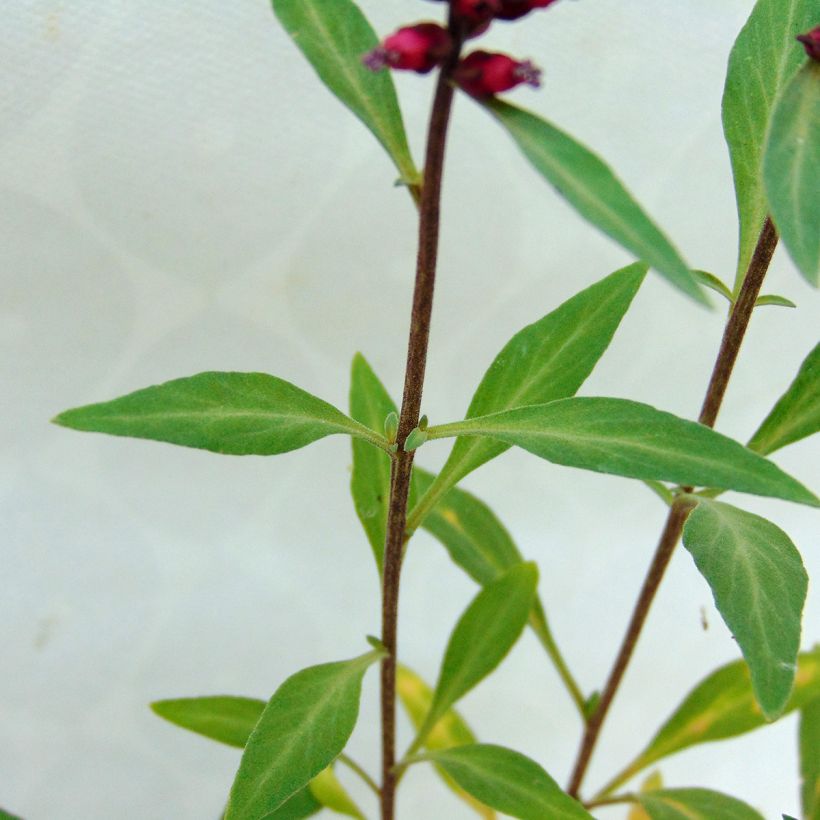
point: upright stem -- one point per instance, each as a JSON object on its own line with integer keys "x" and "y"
{"x": 411, "y": 403}
{"x": 730, "y": 346}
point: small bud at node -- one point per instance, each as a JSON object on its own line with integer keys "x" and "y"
{"x": 391, "y": 427}
{"x": 414, "y": 439}
{"x": 423, "y": 422}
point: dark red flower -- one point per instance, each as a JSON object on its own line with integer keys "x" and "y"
{"x": 811, "y": 42}
{"x": 417, "y": 48}
{"x": 476, "y": 12}
{"x": 513, "y": 9}
{"x": 484, "y": 73}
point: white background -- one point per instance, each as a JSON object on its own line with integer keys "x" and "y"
{"x": 179, "y": 193}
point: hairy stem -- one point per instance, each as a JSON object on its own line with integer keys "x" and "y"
{"x": 429, "y": 207}
{"x": 730, "y": 346}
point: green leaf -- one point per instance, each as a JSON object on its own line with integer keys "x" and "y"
{"x": 774, "y": 299}
{"x": 763, "y": 59}
{"x": 450, "y": 730}
{"x": 231, "y": 720}
{"x": 810, "y": 760}
{"x": 234, "y": 413}
{"x": 721, "y": 706}
{"x": 300, "y": 805}
{"x": 634, "y": 440}
{"x": 327, "y": 789}
{"x": 508, "y": 781}
{"x": 797, "y": 412}
{"x": 590, "y": 186}
{"x": 694, "y": 804}
{"x": 224, "y": 718}
{"x": 5, "y": 815}
{"x": 791, "y": 169}
{"x": 370, "y": 404}
{"x": 483, "y": 636}
{"x": 469, "y": 530}
{"x": 334, "y": 37}
{"x": 304, "y": 727}
{"x": 712, "y": 282}
{"x": 547, "y": 360}
{"x": 759, "y": 584}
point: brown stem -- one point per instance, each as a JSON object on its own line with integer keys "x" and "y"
{"x": 411, "y": 404}
{"x": 730, "y": 346}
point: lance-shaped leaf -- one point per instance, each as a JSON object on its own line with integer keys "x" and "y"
{"x": 327, "y": 789}
{"x": 470, "y": 531}
{"x": 480, "y": 544}
{"x": 763, "y": 59}
{"x": 635, "y": 440}
{"x": 791, "y": 169}
{"x": 810, "y": 760}
{"x": 483, "y": 636}
{"x": 225, "y": 718}
{"x": 233, "y": 413}
{"x": 759, "y": 584}
{"x": 334, "y": 37}
{"x": 370, "y": 404}
{"x": 231, "y": 720}
{"x": 797, "y": 412}
{"x": 590, "y": 186}
{"x": 450, "y": 730}
{"x": 304, "y": 727}
{"x": 721, "y": 706}
{"x": 695, "y": 804}
{"x": 547, "y": 360}
{"x": 508, "y": 781}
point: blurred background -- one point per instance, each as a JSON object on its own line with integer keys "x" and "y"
{"x": 179, "y": 193}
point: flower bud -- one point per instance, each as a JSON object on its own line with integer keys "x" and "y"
{"x": 484, "y": 73}
{"x": 476, "y": 12}
{"x": 811, "y": 42}
{"x": 513, "y": 9}
{"x": 417, "y": 48}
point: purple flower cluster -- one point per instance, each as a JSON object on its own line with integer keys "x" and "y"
{"x": 424, "y": 46}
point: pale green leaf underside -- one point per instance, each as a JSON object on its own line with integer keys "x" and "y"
{"x": 763, "y": 59}
{"x": 775, "y": 300}
{"x": 509, "y": 782}
{"x": 303, "y": 728}
{"x": 231, "y": 413}
{"x": 334, "y": 36}
{"x": 483, "y": 636}
{"x": 759, "y": 583}
{"x": 721, "y": 706}
{"x": 327, "y": 789}
{"x": 547, "y": 360}
{"x": 694, "y": 804}
{"x": 590, "y": 186}
{"x": 810, "y": 760}
{"x": 634, "y": 440}
{"x": 791, "y": 169}
{"x": 797, "y": 412}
